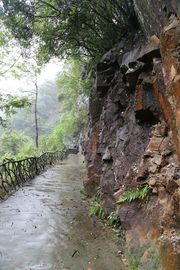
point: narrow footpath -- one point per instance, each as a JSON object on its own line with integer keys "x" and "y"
{"x": 45, "y": 226}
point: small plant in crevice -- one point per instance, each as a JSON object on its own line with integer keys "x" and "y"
{"x": 98, "y": 192}
{"x": 134, "y": 194}
{"x": 133, "y": 265}
{"x": 119, "y": 232}
{"x": 135, "y": 253}
{"x": 96, "y": 208}
{"x": 113, "y": 219}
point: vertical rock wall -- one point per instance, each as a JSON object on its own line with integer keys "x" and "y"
{"x": 134, "y": 136}
{"x": 153, "y": 14}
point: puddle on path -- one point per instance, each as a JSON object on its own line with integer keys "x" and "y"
{"x": 45, "y": 226}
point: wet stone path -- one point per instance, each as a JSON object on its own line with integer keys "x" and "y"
{"x": 45, "y": 226}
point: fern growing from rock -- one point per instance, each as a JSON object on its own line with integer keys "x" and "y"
{"x": 134, "y": 194}
{"x": 96, "y": 208}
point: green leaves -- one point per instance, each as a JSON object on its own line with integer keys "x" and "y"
{"x": 96, "y": 209}
{"x": 9, "y": 103}
{"x": 113, "y": 218}
{"x": 17, "y": 102}
{"x": 68, "y": 28}
{"x": 72, "y": 95}
{"x": 134, "y": 194}
{"x": 10, "y": 143}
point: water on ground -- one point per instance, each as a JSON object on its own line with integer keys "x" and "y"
{"x": 45, "y": 226}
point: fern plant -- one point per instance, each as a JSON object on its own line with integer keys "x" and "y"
{"x": 113, "y": 218}
{"x": 134, "y": 194}
{"x": 96, "y": 208}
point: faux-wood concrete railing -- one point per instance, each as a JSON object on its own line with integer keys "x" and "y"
{"x": 14, "y": 173}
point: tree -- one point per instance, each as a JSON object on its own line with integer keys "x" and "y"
{"x": 32, "y": 70}
{"x": 36, "y": 112}
{"x": 69, "y": 27}
{"x": 48, "y": 112}
{"x": 10, "y": 52}
{"x": 10, "y": 63}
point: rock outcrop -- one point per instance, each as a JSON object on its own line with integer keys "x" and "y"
{"x": 134, "y": 135}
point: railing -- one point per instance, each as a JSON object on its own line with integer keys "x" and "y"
{"x": 14, "y": 173}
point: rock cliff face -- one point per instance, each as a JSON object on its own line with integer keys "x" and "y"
{"x": 153, "y": 14}
{"x": 134, "y": 134}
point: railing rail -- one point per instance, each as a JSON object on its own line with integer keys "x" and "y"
{"x": 14, "y": 173}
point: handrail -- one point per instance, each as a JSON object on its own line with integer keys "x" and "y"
{"x": 14, "y": 173}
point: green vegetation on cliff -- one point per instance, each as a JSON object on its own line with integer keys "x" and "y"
{"x": 130, "y": 195}
{"x": 70, "y": 27}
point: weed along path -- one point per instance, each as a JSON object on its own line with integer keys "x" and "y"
{"x": 45, "y": 226}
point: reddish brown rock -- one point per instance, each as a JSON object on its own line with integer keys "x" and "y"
{"x": 171, "y": 74}
{"x": 154, "y": 145}
{"x": 134, "y": 140}
{"x": 152, "y": 182}
{"x": 94, "y": 163}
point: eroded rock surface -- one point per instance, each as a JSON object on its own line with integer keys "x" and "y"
{"x": 134, "y": 138}
{"x": 152, "y": 14}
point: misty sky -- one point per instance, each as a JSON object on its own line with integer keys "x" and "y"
{"x": 15, "y": 86}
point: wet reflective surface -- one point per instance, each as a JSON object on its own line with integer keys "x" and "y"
{"x": 45, "y": 225}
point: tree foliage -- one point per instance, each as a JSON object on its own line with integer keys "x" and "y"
{"x": 48, "y": 112}
{"x": 73, "y": 97}
{"x": 11, "y": 64}
{"x": 56, "y": 131}
{"x": 11, "y": 143}
{"x": 10, "y": 52}
{"x": 9, "y": 104}
{"x": 15, "y": 145}
{"x": 68, "y": 27}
